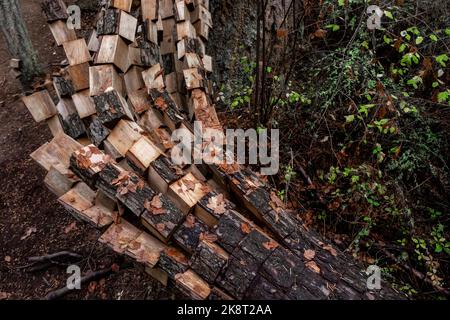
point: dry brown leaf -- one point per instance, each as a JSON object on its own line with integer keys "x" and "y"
{"x": 70, "y": 227}
{"x": 330, "y": 249}
{"x": 8, "y": 259}
{"x": 313, "y": 266}
{"x": 4, "y": 295}
{"x": 309, "y": 254}
{"x": 271, "y": 245}
{"x": 209, "y": 237}
{"x": 161, "y": 227}
{"x": 245, "y": 227}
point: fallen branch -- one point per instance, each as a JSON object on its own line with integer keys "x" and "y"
{"x": 59, "y": 293}
{"x": 52, "y": 257}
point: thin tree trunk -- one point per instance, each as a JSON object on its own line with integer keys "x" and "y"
{"x": 17, "y": 39}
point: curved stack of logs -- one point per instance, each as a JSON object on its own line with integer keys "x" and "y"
{"x": 142, "y": 74}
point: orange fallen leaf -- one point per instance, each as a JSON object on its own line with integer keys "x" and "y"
{"x": 313, "y": 266}
{"x": 245, "y": 227}
{"x": 309, "y": 254}
{"x": 271, "y": 245}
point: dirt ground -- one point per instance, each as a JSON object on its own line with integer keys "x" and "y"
{"x": 32, "y": 223}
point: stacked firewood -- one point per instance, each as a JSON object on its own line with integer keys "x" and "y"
{"x": 143, "y": 74}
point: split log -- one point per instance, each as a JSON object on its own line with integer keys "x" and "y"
{"x": 111, "y": 107}
{"x": 211, "y": 208}
{"x": 96, "y": 131}
{"x": 133, "y": 79}
{"x": 190, "y": 233}
{"x": 71, "y": 122}
{"x": 162, "y": 217}
{"x": 124, "y": 5}
{"x": 149, "y": 9}
{"x": 124, "y": 135}
{"x": 154, "y": 77}
{"x": 208, "y": 260}
{"x": 113, "y": 50}
{"x": 63, "y": 87}
{"x": 84, "y": 104}
{"x": 104, "y": 78}
{"x": 77, "y": 52}
{"x": 79, "y": 76}
{"x": 173, "y": 262}
{"x": 142, "y": 154}
{"x": 162, "y": 173}
{"x": 61, "y": 32}
{"x": 118, "y": 22}
{"x": 187, "y": 192}
{"x": 40, "y": 105}
{"x": 60, "y": 180}
{"x": 192, "y": 285}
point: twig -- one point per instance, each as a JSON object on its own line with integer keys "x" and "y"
{"x": 51, "y": 257}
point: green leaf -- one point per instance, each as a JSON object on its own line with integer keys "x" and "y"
{"x": 419, "y": 40}
{"x": 387, "y": 40}
{"x": 333, "y": 27}
{"x": 434, "y": 37}
{"x": 350, "y": 118}
{"x": 402, "y": 48}
{"x": 443, "y": 96}
{"x": 389, "y": 14}
{"x": 341, "y": 3}
{"x": 435, "y": 84}
{"x": 442, "y": 59}
{"x": 447, "y": 32}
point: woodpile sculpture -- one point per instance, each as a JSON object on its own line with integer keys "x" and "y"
{"x": 217, "y": 232}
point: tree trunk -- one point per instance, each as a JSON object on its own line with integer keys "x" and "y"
{"x": 17, "y": 39}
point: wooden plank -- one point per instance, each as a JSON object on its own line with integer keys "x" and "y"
{"x": 187, "y": 191}
{"x": 77, "y": 52}
{"x": 112, "y": 107}
{"x": 84, "y": 104}
{"x": 162, "y": 217}
{"x": 124, "y": 136}
{"x": 40, "y": 105}
{"x": 61, "y": 32}
{"x": 103, "y": 78}
{"x": 79, "y": 75}
{"x": 113, "y": 50}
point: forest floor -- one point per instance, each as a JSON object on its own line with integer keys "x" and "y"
{"x": 32, "y": 223}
